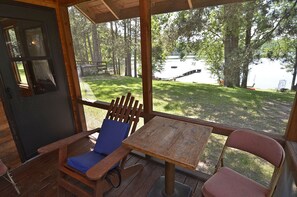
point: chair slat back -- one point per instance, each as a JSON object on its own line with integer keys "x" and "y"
{"x": 257, "y": 144}
{"x": 126, "y": 109}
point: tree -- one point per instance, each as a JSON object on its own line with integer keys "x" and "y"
{"x": 97, "y": 57}
{"x": 159, "y": 47}
{"x": 240, "y": 29}
{"x": 231, "y": 32}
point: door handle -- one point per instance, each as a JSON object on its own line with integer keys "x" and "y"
{"x": 8, "y": 93}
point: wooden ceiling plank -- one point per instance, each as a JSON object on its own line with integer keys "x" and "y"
{"x": 207, "y": 3}
{"x": 46, "y": 3}
{"x": 71, "y": 2}
{"x": 104, "y": 18}
{"x": 169, "y": 6}
{"x": 111, "y": 7}
{"x": 132, "y": 12}
{"x": 88, "y": 16}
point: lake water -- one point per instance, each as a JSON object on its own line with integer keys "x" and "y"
{"x": 266, "y": 74}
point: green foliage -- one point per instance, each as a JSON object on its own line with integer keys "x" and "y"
{"x": 159, "y": 45}
{"x": 283, "y": 49}
{"x": 231, "y": 35}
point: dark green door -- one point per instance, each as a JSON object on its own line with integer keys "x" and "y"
{"x": 33, "y": 78}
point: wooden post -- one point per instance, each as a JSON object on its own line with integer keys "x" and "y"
{"x": 146, "y": 56}
{"x": 291, "y": 133}
{"x": 71, "y": 72}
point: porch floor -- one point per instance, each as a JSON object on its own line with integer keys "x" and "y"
{"x": 38, "y": 176}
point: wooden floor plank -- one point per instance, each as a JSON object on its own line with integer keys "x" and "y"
{"x": 38, "y": 177}
{"x": 8, "y": 151}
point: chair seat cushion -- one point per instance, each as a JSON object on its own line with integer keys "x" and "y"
{"x": 228, "y": 183}
{"x": 85, "y": 161}
{"x": 111, "y": 135}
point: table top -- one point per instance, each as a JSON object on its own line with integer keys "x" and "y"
{"x": 174, "y": 141}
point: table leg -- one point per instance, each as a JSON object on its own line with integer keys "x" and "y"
{"x": 168, "y": 187}
{"x": 169, "y": 178}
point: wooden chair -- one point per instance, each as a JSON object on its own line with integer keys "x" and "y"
{"x": 228, "y": 183}
{"x": 98, "y": 176}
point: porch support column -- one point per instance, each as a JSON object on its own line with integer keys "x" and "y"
{"x": 146, "y": 56}
{"x": 291, "y": 133}
{"x": 71, "y": 72}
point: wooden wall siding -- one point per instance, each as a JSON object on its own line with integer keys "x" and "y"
{"x": 8, "y": 151}
{"x": 38, "y": 177}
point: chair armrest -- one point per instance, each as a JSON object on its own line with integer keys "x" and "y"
{"x": 66, "y": 141}
{"x": 101, "y": 168}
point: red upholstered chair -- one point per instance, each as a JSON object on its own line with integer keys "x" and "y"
{"x": 228, "y": 183}
{"x": 4, "y": 171}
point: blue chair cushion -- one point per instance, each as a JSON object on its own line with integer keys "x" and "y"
{"x": 85, "y": 161}
{"x": 112, "y": 133}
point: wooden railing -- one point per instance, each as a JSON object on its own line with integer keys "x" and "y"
{"x": 91, "y": 68}
{"x": 218, "y": 128}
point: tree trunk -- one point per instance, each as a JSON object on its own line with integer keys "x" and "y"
{"x": 118, "y": 69}
{"x": 129, "y": 73}
{"x": 231, "y": 47}
{"x": 90, "y": 47}
{"x": 135, "y": 48}
{"x": 293, "y": 87}
{"x": 96, "y": 52}
{"x": 247, "y": 58}
{"x": 85, "y": 58}
{"x": 119, "y": 66}
{"x": 113, "y": 49}
{"x": 125, "y": 41}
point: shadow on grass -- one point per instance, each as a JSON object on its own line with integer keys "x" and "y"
{"x": 257, "y": 110}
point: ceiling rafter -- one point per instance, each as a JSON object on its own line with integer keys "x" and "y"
{"x": 190, "y": 4}
{"x": 115, "y": 12}
{"x": 100, "y": 11}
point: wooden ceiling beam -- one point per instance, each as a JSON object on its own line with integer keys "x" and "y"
{"x": 206, "y": 3}
{"x": 190, "y": 4}
{"x": 45, "y": 3}
{"x": 71, "y": 2}
{"x": 87, "y": 15}
{"x": 111, "y": 7}
{"x": 132, "y": 12}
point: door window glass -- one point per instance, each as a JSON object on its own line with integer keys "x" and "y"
{"x": 20, "y": 72}
{"x": 35, "y": 42}
{"x": 12, "y": 43}
{"x": 44, "y": 79}
{"x": 29, "y": 55}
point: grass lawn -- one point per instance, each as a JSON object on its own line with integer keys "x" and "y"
{"x": 259, "y": 110}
